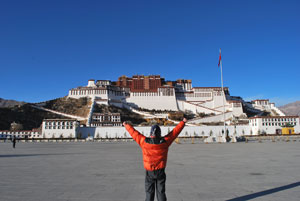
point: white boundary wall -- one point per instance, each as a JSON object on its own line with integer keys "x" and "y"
{"x": 188, "y": 131}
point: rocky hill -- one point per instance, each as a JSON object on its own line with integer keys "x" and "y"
{"x": 78, "y": 107}
{"x": 291, "y": 109}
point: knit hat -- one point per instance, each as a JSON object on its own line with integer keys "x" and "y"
{"x": 155, "y": 131}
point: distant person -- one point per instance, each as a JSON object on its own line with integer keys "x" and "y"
{"x": 155, "y": 153}
{"x": 14, "y": 140}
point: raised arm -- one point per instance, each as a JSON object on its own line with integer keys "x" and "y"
{"x": 139, "y": 138}
{"x": 175, "y": 132}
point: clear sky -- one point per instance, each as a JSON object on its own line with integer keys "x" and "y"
{"x": 50, "y": 46}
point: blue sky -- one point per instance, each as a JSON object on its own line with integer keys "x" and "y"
{"x": 50, "y": 46}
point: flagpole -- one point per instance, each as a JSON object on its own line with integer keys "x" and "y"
{"x": 224, "y": 137}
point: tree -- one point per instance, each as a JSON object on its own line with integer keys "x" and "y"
{"x": 288, "y": 125}
{"x": 16, "y": 126}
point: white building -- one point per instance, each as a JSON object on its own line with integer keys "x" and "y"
{"x": 22, "y": 134}
{"x": 265, "y": 105}
{"x": 59, "y": 128}
{"x": 272, "y": 124}
{"x": 261, "y": 104}
{"x": 106, "y": 119}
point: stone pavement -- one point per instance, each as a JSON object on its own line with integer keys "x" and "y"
{"x": 113, "y": 171}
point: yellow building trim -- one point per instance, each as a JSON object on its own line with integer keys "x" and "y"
{"x": 288, "y": 131}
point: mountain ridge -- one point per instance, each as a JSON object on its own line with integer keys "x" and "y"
{"x": 4, "y": 103}
{"x": 291, "y": 109}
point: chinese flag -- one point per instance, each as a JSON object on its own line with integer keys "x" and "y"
{"x": 219, "y": 58}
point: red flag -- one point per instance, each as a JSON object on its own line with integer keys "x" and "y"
{"x": 219, "y": 58}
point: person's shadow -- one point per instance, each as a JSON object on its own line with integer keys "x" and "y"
{"x": 266, "y": 192}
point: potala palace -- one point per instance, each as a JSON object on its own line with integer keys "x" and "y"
{"x": 154, "y": 93}
{"x": 141, "y": 94}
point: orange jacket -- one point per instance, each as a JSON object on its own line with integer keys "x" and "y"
{"x": 155, "y": 155}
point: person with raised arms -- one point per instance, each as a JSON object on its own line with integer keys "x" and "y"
{"x": 155, "y": 153}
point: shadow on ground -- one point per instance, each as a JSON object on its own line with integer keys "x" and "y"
{"x": 266, "y": 192}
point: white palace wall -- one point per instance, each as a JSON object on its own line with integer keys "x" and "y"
{"x": 157, "y": 102}
{"x": 93, "y": 92}
{"x": 183, "y": 106}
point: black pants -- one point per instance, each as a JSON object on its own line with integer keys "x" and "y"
{"x": 155, "y": 180}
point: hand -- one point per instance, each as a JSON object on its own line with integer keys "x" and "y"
{"x": 124, "y": 123}
{"x": 184, "y": 120}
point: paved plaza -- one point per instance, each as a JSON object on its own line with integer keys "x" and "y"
{"x": 102, "y": 171}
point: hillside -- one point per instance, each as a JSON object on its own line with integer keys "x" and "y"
{"x": 78, "y": 107}
{"x": 31, "y": 117}
{"x": 9, "y": 103}
{"x": 291, "y": 109}
{"x": 26, "y": 115}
